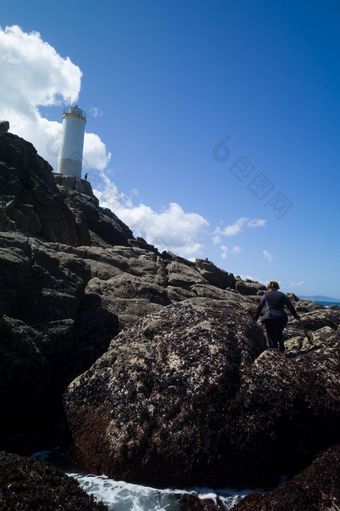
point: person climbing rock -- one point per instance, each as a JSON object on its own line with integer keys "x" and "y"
{"x": 274, "y": 316}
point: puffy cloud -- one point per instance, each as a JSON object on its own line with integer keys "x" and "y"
{"x": 267, "y": 255}
{"x": 96, "y": 111}
{"x": 171, "y": 229}
{"x": 250, "y": 277}
{"x": 216, "y": 239}
{"x": 240, "y": 224}
{"x": 297, "y": 284}
{"x": 224, "y": 251}
{"x": 256, "y": 279}
{"x": 34, "y": 75}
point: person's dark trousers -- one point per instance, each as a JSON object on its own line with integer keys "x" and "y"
{"x": 274, "y": 328}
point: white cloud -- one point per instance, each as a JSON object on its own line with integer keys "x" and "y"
{"x": 224, "y": 251}
{"x": 250, "y": 277}
{"x": 297, "y": 284}
{"x": 256, "y": 279}
{"x": 235, "y": 249}
{"x": 96, "y": 111}
{"x": 267, "y": 255}
{"x": 216, "y": 239}
{"x": 34, "y": 75}
{"x": 240, "y": 224}
{"x": 171, "y": 229}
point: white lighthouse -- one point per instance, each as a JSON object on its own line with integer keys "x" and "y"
{"x": 72, "y": 144}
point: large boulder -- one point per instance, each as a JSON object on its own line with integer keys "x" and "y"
{"x": 190, "y": 395}
{"x": 152, "y": 409}
{"x": 316, "y": 488}
{"x": 28, "y": 485}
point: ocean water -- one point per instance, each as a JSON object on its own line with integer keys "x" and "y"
{"x": 122, "y": 496}
{"x": 328, "y": 304}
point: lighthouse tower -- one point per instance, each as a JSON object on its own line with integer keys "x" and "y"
{"x": 71, "y": 148}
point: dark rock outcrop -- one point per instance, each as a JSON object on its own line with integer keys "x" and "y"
{"x": 28, "y": 485}
{"x": 33, "y": 204}
{"x": 316, "y": 488}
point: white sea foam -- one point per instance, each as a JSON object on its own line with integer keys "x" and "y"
{"x": 122, "y": 496}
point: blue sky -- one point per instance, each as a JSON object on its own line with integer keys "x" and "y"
{"x": 172, "y": 78}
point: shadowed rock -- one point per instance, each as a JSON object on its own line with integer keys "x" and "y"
{"x": 51, "y": 328}
{"x": 317, "y": 488}
{"x": 28, "y": 485}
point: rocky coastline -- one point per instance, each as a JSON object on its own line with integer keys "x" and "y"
{"x": 148, "y": 365}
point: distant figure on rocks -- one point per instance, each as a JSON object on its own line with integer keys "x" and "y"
{"x": 274, "y": 317}
{"x": 86, "y": 176}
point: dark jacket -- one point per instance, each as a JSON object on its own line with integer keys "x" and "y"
{"x": 276, "y": 301}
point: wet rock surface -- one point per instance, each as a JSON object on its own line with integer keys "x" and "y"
{"x": 27, "y": 485}
{"x": 192, "y": 503}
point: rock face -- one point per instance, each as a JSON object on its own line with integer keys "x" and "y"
{"x": 31, "y": 202}
{"x": 159, "y": 395}
{"x": 31, "y": 485}
{"x": 317, "y": 489}
{"x": 51, "y": 327}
